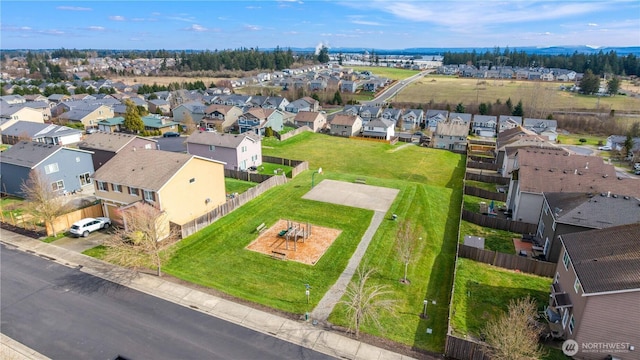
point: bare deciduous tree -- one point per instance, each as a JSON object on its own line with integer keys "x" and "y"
{"x": 42, "y": 200}
{"x": 364, "y": 302}
{"x": 408, "y": 246}
{"x": 189, "y": 124}
{"x": 145, "y": 240}
{"x": 515, "y": 334}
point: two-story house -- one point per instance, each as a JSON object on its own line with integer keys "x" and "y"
{"x": 596, "y": 291}
{"x": 570, "y": 212}
{"x": 392, "y": 115}
{"x": 44, "y": 133}
{"x": 411, "y": 119}
{"x": 183, "y": 186}
{"x": 236, "y": 151}
{"x": 67, "y": 169}
{"x": 316, "y": 121}
{"x": 105, "y": 145}
{"x": 434, "y": 117}
{"x": 506, "y": 122}
{"x": 258, "y": 119}
{"x": 451, "y": 135}
{"x": 194, "y": 109}
{"x": 220, "y": 117}
{"x": 345, "y": 125}
{"x": 348, "y": 86}
{"x": 484, "y": 125}
{"x": 88, "y": 115}
{"x": 369, "y": 113}
{"x": 379, "y": 128}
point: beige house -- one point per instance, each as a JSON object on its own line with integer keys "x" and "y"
{"x": 595, "y": 295}
{"x": 89, "y": 116}
{"x": 451, "y": 135}
{"x": 21, "y": 113}
{"x": 220, "y": 117}
{"x": 182, "y": 185}
{"x": 345, "y": 125}
{"x": 314, "y": 120}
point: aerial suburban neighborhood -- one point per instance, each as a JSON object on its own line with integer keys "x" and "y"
{"x": 320, "y": 203}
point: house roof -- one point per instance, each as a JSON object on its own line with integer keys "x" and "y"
{"x": 37, "y": 130}
{"x": 307, "y": 116}
{"x": 344, "y": 119}
{"x": 29, "y": 154}
{"x": 145, "y": 169}
{"x": 595, "y": 211}
{"x": 221, "y": 140}
{"x": 383, "y": 123}
{"x": 260, "y": 113}
{"x": 607, "y": 259}
{"x": 449, "y": 128}
{"x": 545, "y": 170}
{"x": 113, "y": 142}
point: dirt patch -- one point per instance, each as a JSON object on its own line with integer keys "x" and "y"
{"x": 307, "y": 251}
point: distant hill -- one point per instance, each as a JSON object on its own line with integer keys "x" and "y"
{"x": 553, "y": 50}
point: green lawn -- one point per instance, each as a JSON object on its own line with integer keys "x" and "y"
{"x": 481, "y": 185}
{"x": 11, "y": 206}
{"x": 237, "y": 186}
{"x": 472, "y": 203}
{"x": 430, "y": 183}
{"x": 574, "y": 139}
{"x": 483, "y": 291}
{"x": 494, "y": 239}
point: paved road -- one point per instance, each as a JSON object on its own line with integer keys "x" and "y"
{"x": 173, "y": 144}
{"x": 66, "y": 314}
{"x": 393, "y": 90}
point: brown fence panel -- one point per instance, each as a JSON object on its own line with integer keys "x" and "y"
{"x": 482, "y": 165}
{"x": 495, "y": 179}
{"x": 462, "y": 349}
{"x": 64, "y": 222}
{"x": 497, "y": 223}
{"x": 485, "y": 194}
{"x": 508, "y": 261}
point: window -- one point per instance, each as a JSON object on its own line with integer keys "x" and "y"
{"x": 212, "y": 148}
{"x": 565, "y": 260}
{"x": 565, "y": 318}
{"x": 58, "y": 185}
{"x": 85, "y": 179}
{"x": 556, "y": 278}
{"x": 546, "y": 246}
{"x": 147, "y": 146}
{"x": 541, "y": 228}
{"x": 77, "y": 158}
{"x": 192, "y": 180}
{"x": 577, "y": 286}
{"x": 148, "y": 195}
{"x": 244, "y": 149}
{"x": 51, "y": 168}
{"x": 134, "y": 191}
{"x": 546, "y": 208}
{"x": 572, "y": 324}
{"x": 102, "y": 186}
{"x": 116, "y": 187}
{"x": 553, "y": 226}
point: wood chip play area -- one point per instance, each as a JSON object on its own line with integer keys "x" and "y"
{"x": 290, "y": 240}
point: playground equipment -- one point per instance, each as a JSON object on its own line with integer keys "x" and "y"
{"x": 293, "y": 232}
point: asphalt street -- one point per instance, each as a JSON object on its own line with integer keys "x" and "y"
{"x": 64, "y": 313}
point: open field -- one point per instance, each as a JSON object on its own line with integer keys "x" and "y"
{"x": 483, "y": 291}
{"x": 453, "y": 90}
{"x": 430, "y": 183}
{"x": 390, "y": 73}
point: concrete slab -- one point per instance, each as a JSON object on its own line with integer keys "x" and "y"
{"x": 263, "y": 321}
{"x": 368, "y": 352}
{"x": 202, "y": 300}
{"x": 173, "y": 290}
{"x": 337, "y": 345}
{"x": 231, "y": 311}
{"x": 355, "y": 195}
{"x": 297, "y": 333}
{"x": 81, "y": 244}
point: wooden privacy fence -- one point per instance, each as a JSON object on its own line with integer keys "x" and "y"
{"x": 494, "y": 179}
{"x": 485, "y": 194}
{"x": 497, "y": 223}
{"x": 482, "y": 159}
{"x": 230, "y": 205}
{"x": 462, "y": 349}
{"x": 482, "y": 165}
{"x": 246, "y": 176}
{"x": 64, "y": 222}
{"x": 297, "y": 165}
{"x": 508, "y": 261}
{"x": 292, "y": 133}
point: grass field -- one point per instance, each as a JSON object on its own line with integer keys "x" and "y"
{"x": 442, "y": 89}
{"x": 390, "y": 73}
{"x": 494, "y": 239}
{"x": 237, "y": 186}
{"x": 483, "y": 291}
{"x": 430, "y": 184}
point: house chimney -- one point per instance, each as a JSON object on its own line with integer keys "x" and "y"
{"x": 608, "y": 193}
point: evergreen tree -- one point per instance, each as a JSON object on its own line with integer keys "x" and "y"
{"x": 337, "y": 98}
{"x": 132, "y": 120}
{"x": 613, "y": 85}
{"x": 590, "y": 83}
{"x": 483, "y": 109}
{"x": 460, "y": 108}
{"x": 323, "y": 55}
{"x": 518, "y": 110}
{"x": 509, "y": 105}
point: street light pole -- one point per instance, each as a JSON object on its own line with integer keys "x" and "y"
{"x": 319, "y": 171}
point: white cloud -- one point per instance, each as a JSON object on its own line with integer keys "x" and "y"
{"x": 52, "y": 32}
{"x": 197, "y": 28}
{"x": 363, "y": 22}
{"x": 73, "y": 8}
{"x": 252, "y": 27}
{"x": 182, "y": 18}
{"x": 592, "y": 24}
{"x": 117, "y": 18}
{"x": 96, "y": 28}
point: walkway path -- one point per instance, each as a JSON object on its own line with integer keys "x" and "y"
{"x": 331, "y": 297}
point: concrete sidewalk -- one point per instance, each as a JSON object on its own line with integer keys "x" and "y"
{"x": 296, "y": 332}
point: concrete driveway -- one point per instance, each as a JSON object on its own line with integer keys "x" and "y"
{"x": 81, "y": 244}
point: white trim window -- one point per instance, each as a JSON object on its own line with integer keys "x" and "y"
{"x": 572, "y": 324}
{"x": 117, "y": 187}
{"x": 577, "y": 286}
{"x": 85, "y": 179}
{"x": 566, "y": 260}
{"x": 134, "y": 191}
{"x": 547, "y": 243}
{"x": 57, "y": 185}
{"x": 148, "y": 195}
{"x": 212, "y": 148}
{"x": 51, "y": 168}
{"x": 102, "y": 186}
{"x": 565, "y": 318}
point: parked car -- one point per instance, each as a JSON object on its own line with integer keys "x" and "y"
{"x": 171, "y": 134}
{"x": 91, "y": 131}
{"x": 605, "y": 148}
{"x": 636, "y": 166}
{"x": 88, "y": 225}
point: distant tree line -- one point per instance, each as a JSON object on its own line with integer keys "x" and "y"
{"x": 600, "y": 63}
{"x": 242, "y": 59}
{"x": 196, "y": 85}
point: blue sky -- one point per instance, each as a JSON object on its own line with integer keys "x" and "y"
{"x": 379, "y": 24}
